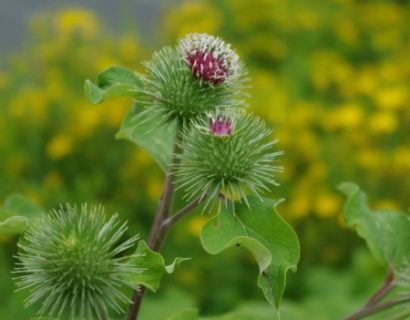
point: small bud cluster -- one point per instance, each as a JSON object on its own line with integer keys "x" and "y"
{"x": 209, "y": 58}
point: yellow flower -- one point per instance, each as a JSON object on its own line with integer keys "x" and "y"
{"x": 194, "y": 17}
{"x": 327, "y": 205}
{"x": 392, "y": 98}
{"x": 60, "y": 146}
{"x": 305, "y": 18}
{"x": 382, "y": 122}
{"x": 75, "y": 20}
{"x": 30, "y": 103}
{"x": 86, "y": 118}
{"x": 347, "y": 31}
{"x": 366, "y": 81}
{"x": 347, "y": 116}
{"x": 299, "y": 206}
{"x": 370, "y": 159}
{"x": 128, "y": 47}
{"x": 401, "y": 159}
{"x": 54, "y": 85}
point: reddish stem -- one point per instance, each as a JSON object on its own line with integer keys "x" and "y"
{"x": 369, "y": 310}
{"x": 383, "y": 291}
{"x": 373, "y": 305}
{"x": 162, "y": 223}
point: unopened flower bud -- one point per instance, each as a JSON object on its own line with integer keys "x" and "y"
{"x": 220, "y": 126}
{"x": 210, "y": 59}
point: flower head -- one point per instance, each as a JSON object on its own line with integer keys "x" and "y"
{"x": 71, "y": 261}
{"x": 239, "y": 164}
{"x": 209, "y": 58}
{"x": 220, "y": 126}
{"x": 171, "y": 93}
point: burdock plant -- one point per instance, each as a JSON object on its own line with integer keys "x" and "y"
{"x": 189, "y": 112}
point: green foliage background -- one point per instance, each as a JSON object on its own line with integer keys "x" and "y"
{"x": 331, "y": 77}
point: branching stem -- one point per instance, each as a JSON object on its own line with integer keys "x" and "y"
{"x": 163, "y": 221}
{"x": 369, "y": 310}
{"x": 373, "y": 305}
{"x": 383, "y": 291}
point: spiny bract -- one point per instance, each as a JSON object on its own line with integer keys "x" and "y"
{"x": 171, "y": 91}
{"x": 226, "y": 153}
{"x": 71, "y": 262}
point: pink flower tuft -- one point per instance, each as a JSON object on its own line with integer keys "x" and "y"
{"x": 220, "y": 127}
{"x": 209, "y": 58}
{"x": 205, "y": 66}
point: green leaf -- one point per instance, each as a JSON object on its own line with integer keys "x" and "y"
{"x": 169, "y": 301}
{"x": 19, "y": 204}
{"x": 177, "y": 261}
{"x": 15, "y": 214}
{"x": 263, "y": 232}
{"x": 156, "y": 140}
{"x": 13, "y": 225}
{"x": 111, "y": 83}
{"x": 185, "y": 315}
{"x": 387, "y": 233}
{"x": 152, "y": 265}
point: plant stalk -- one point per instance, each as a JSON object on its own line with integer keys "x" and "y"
{"x": 369, "y": 310}
{"x": 378, "y": 296}
{"x": 383, "y": 291}
{"x": 162, "y": 222}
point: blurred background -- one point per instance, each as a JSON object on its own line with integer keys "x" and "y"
{"x": 331, "y": 77}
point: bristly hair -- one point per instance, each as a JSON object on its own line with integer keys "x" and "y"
{"x": 73, "y": 262}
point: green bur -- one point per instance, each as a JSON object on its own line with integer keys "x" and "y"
{"x": 72, "y": 261}
{"x": 235, "y": 164}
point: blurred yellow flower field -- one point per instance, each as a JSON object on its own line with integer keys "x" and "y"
{"x": 331, "y": 77}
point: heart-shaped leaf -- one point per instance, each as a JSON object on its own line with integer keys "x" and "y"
{"x": 263, "y": 232}
{"x": 113, "y": 82}
{"x": 15, "y": 214}
{"x": 152, "y": 267}
{"x": 386, "y": 233}
{"x": 156, "y": 140}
